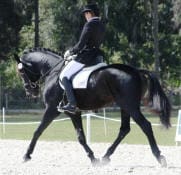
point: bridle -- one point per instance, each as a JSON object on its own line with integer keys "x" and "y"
{"x": 29, "y": 85}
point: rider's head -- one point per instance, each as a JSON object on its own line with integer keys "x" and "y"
{"x": 90, "y": 10}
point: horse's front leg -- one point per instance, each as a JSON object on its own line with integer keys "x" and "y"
{"x": 48, "y": 117}
{"x": 77, "y": 122}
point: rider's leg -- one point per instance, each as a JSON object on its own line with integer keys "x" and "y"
{"x": 72, "y": 104}
{"x": 72, "y": 68}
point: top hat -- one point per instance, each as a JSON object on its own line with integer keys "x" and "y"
{"x": 91, "y": 8}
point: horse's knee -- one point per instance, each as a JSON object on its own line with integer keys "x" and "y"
{"x": 125, "y": 130}
{"x": 37, "y": 133}
{"x": 81, "y": 140}
{"x": 81, "y": 137}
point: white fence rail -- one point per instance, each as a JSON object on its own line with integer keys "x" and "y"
{"x": 88, "y": 122}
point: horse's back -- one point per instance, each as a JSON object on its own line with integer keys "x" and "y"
{"x": 114, "y": 73}
{"x": 123, "y": 78}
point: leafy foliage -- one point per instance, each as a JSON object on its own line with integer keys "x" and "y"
{"x": 13, "y": 15}
{"x": 129, "y": 35}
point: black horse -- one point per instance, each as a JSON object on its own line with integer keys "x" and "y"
{"x": 124, "y": 85}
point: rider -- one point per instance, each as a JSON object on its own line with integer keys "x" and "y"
{"x": 87, "y": 49}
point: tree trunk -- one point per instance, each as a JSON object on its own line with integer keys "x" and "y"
{"x": 155, "y": 37}
{"x": 36, "y": 42}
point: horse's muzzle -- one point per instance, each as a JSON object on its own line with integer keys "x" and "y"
{"x": 32, "y": 91}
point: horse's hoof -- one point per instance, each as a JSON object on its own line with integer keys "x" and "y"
{"x": 105, "y": 160}
{"x": 162, "y": 161}
{"x": 95, "y": 162}
{"x": 27, "y": 158}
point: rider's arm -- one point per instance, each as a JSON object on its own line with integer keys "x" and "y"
{"x": 83, "y": 39}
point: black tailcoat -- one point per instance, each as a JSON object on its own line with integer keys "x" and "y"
{"x": 90, "y": 40}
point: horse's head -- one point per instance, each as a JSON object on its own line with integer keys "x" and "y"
{"x": 36, "y": 64}
{"x": 30, "y": 76}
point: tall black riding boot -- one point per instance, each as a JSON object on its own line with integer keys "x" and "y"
{"x": 71, "y": 106}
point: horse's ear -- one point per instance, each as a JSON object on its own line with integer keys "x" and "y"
{"x": 17, "y": 58}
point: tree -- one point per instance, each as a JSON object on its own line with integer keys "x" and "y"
{"x": 67, "y": 23}
{"x": 177, "y": 15}
{"x": 36, "y": 5}
{"x": 129, "y": 36}
{"x": 13, "y": 15}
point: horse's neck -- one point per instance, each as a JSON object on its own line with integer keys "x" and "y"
{"x": 47, "y": 62}
{"x": 53, "y": 75}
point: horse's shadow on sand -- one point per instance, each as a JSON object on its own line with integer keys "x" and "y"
{"x": 133, "y": 167}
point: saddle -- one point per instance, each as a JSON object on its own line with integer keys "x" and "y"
{"x": 80, "y": 80}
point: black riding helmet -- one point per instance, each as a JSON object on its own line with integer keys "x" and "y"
{"x": 91, "y": 8}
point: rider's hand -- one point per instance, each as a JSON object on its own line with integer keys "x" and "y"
{"x": 67, "y": 54}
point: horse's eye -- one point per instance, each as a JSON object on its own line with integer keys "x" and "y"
{"x": 20, "y": 66}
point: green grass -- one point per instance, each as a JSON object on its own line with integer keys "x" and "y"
{"x": 64, "y": 130}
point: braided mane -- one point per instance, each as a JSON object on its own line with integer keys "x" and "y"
{"x": 43, "y": 50}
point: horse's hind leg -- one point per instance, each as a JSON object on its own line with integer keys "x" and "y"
{"x": 124, "y": 130}
{"x": 77, "y": 122}
{"x": 48, "y": 117}
{"x": 146, "y": 127}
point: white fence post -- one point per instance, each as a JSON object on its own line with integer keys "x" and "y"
{"x": 4, "y": 130}
{"x": 105, "y": 127}
{"x": 88, "y": 116}
{"x": 178, "y": 129}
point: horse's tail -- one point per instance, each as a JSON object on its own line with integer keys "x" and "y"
{"x": 157, "y": 98}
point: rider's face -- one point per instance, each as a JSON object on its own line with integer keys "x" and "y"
{"x": 88, "y": 15}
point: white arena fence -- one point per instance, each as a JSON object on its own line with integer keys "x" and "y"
{"x": 88, "y": 123}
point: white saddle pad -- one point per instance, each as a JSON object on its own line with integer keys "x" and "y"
{"x": 80, "y": 80}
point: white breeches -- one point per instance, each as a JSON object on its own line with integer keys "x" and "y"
{"x": 71, "y": 68}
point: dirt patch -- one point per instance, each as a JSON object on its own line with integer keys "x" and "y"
{"x": 69, "y": 158}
